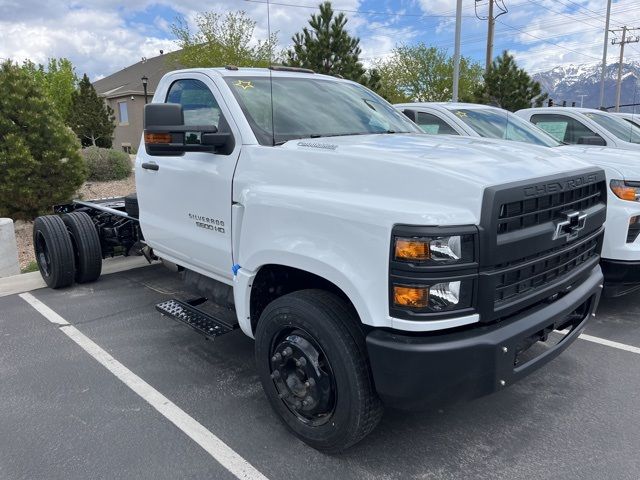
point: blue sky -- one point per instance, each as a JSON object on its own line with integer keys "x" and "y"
{"x": 102, "y": 36}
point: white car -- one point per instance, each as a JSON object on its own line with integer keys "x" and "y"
{"x": 372, "y": 264}
{"x": 585, "y": 126}
{"x": 632, "y": 118}
{"x": 621, "y": 249}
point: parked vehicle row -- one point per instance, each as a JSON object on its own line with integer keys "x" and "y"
{"x": 373, "y": 265}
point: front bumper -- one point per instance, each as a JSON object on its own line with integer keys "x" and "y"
{"x": 421, "y": 371}
{"x": 620, "y": 277}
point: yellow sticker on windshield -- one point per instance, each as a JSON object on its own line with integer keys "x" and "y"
{"x": 460, "y": 113}
{"x": 244, "y": 84}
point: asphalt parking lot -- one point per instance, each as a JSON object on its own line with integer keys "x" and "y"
{"x": 64, "y": 415}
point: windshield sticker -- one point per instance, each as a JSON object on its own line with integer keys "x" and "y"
{"x": 244, "y": 84}
{"x": 461, "y": 113}
{"x": 589, "y": 115}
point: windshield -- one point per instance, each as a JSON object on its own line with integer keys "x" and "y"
{"x": 621, "y": 129}
{"x": 311, "y": 108}
{"x": 503, "y": 125}
{"x": 634, "y": 122}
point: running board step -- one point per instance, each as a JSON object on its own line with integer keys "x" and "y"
{"x": 195, "y": 317}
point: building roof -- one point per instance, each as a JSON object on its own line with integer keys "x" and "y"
{"x": 128, "y": 81}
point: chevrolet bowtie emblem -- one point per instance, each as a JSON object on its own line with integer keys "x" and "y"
{"x": 571, "y": 227}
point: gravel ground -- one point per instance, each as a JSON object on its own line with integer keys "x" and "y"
{"x": 90, "y": 190}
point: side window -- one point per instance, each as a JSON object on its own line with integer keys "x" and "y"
{"x": 198, "y": 103}
{"x": 562, "y": 128}
{"x": 429, "y": 123}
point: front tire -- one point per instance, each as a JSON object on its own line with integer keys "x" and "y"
{"x": 54, "y": 251}
{"x": 313, "y": 365}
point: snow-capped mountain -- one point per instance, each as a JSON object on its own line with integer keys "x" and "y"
{"x": 570, "y": 82}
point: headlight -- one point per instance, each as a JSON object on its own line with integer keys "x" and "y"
{"x": 439, "y": 297}
{"x": 438, "y": 250}
{"x": 432, "y": 271}
{"x": 626, "y": 190}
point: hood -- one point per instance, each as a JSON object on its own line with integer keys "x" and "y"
{"x": 621, "y": 164}
{"x": 478, "y": 161}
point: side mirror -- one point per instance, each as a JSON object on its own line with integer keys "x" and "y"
{"x": 165, "y": 133}
{"x": 411, "y": 115}
{"x": 592, "y": 140}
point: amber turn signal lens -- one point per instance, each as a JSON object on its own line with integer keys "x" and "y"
{"x": 623, "y": 191}
{"x": 412, "y": 249}
{"x": 157, "y": 137}
{"x": 413, "y": 297}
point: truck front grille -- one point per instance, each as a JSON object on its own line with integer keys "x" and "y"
{"x": 548, "y": 208}
{"x": 524, "y": 277}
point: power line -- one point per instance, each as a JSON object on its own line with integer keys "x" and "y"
{"x": 362, "y": 12}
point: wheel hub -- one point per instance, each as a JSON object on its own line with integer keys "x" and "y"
{"x": 303, "y": 378}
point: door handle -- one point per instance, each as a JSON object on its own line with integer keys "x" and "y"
{"x": 150, "y": 166}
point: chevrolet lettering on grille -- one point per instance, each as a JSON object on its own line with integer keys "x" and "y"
{"x": 570, "y": 228}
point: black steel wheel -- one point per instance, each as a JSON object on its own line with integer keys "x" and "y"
{"x": 313, "y": 365}
{"x": 86, "y": 246}
{"x": 54, "y": 251}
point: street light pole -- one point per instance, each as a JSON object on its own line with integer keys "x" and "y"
{"x": 456, "y": 54}
{"x": 145, "y": 81}
{"x": 604, "y": 53}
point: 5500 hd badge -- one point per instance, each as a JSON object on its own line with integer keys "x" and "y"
{"x": 208, "y": 223}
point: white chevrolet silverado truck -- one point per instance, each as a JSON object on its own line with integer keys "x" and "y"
{"x": 372, "y": 264}
{"x": 621, "y": 247}
{"x": 586, "y": 126}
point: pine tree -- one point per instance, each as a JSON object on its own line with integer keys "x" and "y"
{"x": 90, "y": 117}
{"x": 326, "y": 47}
{"x": 39, "y": 160}
{"x": 509, "y": 87}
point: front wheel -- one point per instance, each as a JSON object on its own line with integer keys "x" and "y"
{"x": 313, "y": 365}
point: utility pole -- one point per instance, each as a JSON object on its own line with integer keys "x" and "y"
{"x": 490, "y": 31}
{"x": 622, "y": 43}
{"x": 604, "y": 53}
{"x": 491, "y": 20}
{"x": 456, "y": 54}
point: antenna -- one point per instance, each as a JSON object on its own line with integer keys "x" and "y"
{"x": 273, "y": 125}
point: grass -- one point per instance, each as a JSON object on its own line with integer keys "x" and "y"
{"x": 32, "y": 267}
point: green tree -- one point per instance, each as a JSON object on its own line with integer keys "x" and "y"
{"x": 90, "y": 117}
{"x": 425, "y": 74}
{"x": 222, "y": 40}
{"x": 58, "y": 79}
{"x": 39, "y": 158}
{"x": 326, "y": 47}
{"x": 509, "y": 87}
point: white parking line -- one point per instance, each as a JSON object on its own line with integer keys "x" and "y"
{"x": 609, "y": 343}
{"x": 215, "y": 447}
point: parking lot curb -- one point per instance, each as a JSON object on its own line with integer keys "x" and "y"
{"x": 33, "y": 281}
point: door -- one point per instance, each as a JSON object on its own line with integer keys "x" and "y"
{"x": 185, "y": 200}
{"x": 430, "y": 123}
{"x": 562, "y": 127}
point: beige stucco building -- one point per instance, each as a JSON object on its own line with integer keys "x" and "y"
{"x": 123, "y": 91}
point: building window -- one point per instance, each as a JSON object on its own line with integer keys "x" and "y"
{"x": 123, "y": 113}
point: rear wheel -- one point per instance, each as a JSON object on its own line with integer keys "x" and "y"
{"x": 86, "y": 246}
{"x": 314, "y": 369}
{"x": 54, "y": 251}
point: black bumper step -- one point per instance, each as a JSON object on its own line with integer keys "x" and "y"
{"x": 196, "y": 318}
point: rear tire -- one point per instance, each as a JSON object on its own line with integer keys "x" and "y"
{"x": 131, "y": 205}
{"x": 54, "y": 251}
{"x": 86, "y": 246}
{"x": 341, "y": 406}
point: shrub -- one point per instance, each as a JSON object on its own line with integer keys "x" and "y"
{"x": 39, "y": 161}
{"x": 104, "y": 164}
